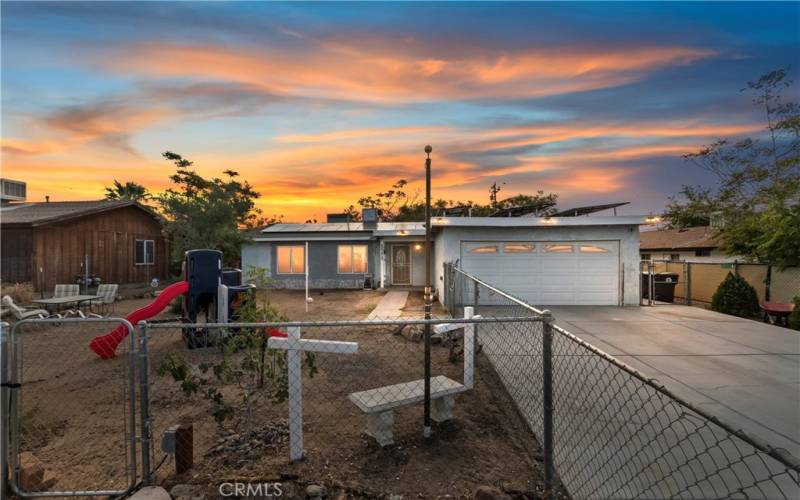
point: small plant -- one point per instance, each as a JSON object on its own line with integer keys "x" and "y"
{"x": 735, "y": 296}
{"x": 254, "y": 372}
{"x": 176, "y": 306}
{"x": 794, "y": 317}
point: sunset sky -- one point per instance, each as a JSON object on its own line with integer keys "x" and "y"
{"x": 318, "y": 104}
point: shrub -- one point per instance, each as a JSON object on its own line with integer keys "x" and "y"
{"x": 794, "y": 318}
{"x": 21, "y": 293}
{"x": 735, "y": 296}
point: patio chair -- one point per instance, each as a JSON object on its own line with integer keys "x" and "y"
{"x": 21, "y": 313}
{"x": 108, "y": 294}
{"x": 67, "y": 290}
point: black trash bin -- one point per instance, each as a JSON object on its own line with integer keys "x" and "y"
{"x": 663, "y": 286}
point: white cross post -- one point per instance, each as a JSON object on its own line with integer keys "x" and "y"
{"x": 295, "y": 347}
{"x": 469, "y": 342}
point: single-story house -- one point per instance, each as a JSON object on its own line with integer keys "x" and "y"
{"x": 544, "y": 260}
{"x": 694, "y": 244}
{"x": 45, "y": 243}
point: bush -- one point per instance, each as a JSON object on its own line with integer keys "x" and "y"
{"x": 794, "y": 318}
{"x": 21, "y": 293}
{"x": 735, "y": 296}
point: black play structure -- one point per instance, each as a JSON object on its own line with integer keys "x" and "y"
{"x": 213, "y": 294}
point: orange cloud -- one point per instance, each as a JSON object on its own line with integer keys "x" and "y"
{"x": 383, "y": 74}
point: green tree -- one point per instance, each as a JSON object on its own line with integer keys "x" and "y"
{"x": 207, "y": 213}
{"x": 758, "y": 192}
{"x": 396, "y": 205}
{"x": 128, "y": 191}
{"x": 540, "y": 204}
{"x": 693, "y": 207}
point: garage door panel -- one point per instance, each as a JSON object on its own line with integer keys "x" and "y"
{"x": 554, "y": 273}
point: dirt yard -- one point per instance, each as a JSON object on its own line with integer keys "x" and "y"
{"x": 74, "y": 415}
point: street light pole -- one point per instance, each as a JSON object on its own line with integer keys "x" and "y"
{"x": 428, "y": 292}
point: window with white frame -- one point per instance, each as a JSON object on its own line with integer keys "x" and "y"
{"x": 145, "y": 252}
{"x": 352, "y": 259}
{"x": 291, "y": 259}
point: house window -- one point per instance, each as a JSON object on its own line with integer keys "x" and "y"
{"x": 145, "y": 252}
{"x": 483, "y": 249}
{"x": 291, "y": 259}
{"x": 594, "y": 249}
{"x": 353, "y": 259}
{"x": 519, "y": 247}
{"x": 646, "y": 256}
{"x": 558, "y": 248}
{"x": 702, "y": 253}
{"x": 674, "y": 256}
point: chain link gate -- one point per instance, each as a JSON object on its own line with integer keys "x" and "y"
{"x": 83, "y": 435}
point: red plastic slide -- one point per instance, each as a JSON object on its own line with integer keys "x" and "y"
{"x": 105, "y": 346}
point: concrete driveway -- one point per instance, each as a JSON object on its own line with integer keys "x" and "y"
{"x": 743, "y": 371}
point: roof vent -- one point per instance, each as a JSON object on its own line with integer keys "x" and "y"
{"x": 338, "y": 217}
{"x": 12, "y": 190}
{"x": 370, "y": 218}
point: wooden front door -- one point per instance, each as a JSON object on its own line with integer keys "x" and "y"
{"x": 401, "y": 265}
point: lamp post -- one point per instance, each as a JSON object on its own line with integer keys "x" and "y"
{"x": 428, "y": 294}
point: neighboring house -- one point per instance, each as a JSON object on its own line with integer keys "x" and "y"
{"x": 694, "y": 244}
{"x": 46, "y": 242}
{"x": 546, "y": 261}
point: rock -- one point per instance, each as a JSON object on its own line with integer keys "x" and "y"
{"x": 187, "y": 492}
{"x": 490, "y": 493}
{"x": 31, "y": 474}
{"x": 151, "y": 493}
{"x": 315, "y": 491}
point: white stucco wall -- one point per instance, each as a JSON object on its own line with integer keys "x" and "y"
{"x": 256, "y": 254}
{"x": 448, "y": 247}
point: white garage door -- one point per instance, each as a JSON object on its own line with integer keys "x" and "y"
{"x": 547, "y": 273}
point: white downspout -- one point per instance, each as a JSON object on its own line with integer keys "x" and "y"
{"x": 305, "y": 254}
{"x": 383, "y": 264}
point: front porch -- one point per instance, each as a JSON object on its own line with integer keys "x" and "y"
{"x": 402, "y": 264}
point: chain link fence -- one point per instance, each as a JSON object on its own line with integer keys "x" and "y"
{"x": 616, "y": 433}
{"x": 71, "y": 423}
{"x": 347, "y": 397}
{"x": 696, "y": 282}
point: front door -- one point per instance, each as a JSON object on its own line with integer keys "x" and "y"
{"x": 401, "y": 265}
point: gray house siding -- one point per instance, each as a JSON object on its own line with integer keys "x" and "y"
{"x": 256, "y": 254}
{"x": 323, "y": 266}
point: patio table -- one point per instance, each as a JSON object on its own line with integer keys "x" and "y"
{"x": 71, "y": 299}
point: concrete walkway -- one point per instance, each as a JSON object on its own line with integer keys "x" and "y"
{"x": 390, "y": 306}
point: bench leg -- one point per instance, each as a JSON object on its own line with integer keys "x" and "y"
{"x": 442, "y": 408}
{"x": 379, "y": 426}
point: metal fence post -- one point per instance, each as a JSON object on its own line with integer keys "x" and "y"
{"x": 146, "y": 427}
{"x": 5, "y": 393}
{"x": 687, "y": 283}
{"x": 547, "y": 389}
{"x": 768, "y": 283}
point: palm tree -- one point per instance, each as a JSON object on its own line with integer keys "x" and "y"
{"x": 128, "y": 191}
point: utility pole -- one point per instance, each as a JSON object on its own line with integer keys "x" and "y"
{"x": 428, "y": 294}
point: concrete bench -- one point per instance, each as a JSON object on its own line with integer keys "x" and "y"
{"x": 379, "y": 404}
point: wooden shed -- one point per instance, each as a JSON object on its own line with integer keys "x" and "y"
{"x": 46, "y": 242}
